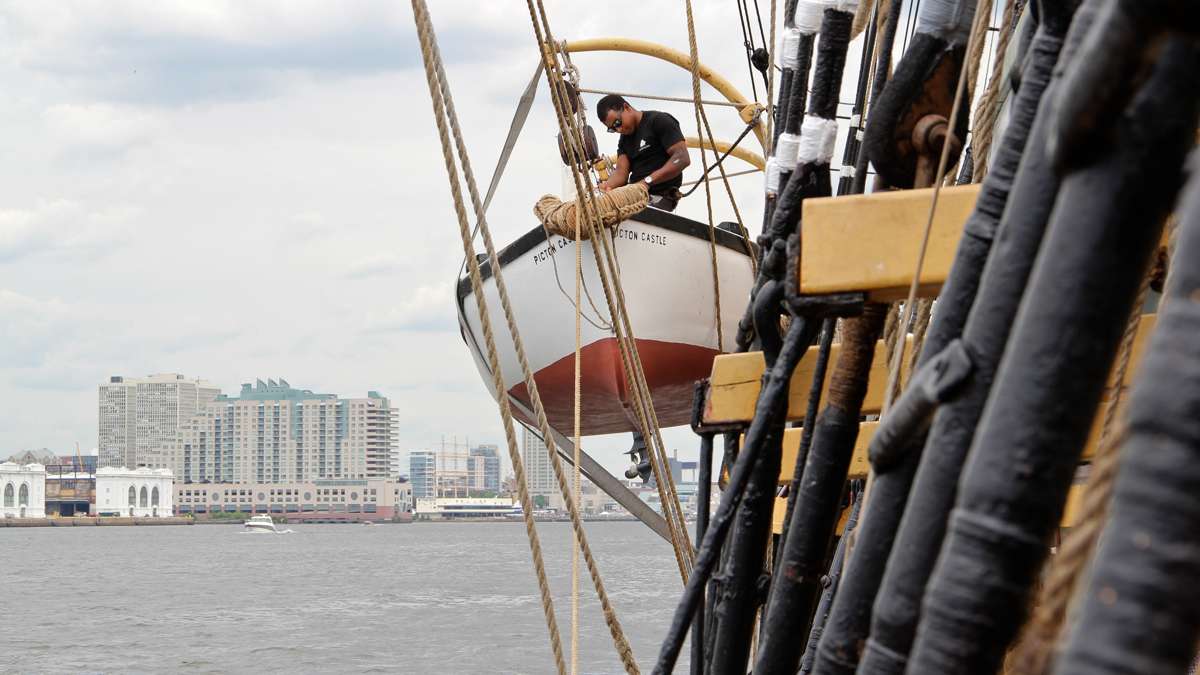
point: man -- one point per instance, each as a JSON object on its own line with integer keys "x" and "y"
{"x": 651, "y": 150}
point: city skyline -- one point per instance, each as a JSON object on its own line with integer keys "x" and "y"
{"x": 269, "y": 202}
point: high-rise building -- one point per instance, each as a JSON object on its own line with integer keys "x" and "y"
{"x": 483, "y": 470}
{"x": 539, "y": 474}
{"x": 422, "y": 473}
{"x": 141, "y": 418}
{"x": 273, "y": 432}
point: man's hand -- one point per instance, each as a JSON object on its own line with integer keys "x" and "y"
{"x": 604, "y": 187}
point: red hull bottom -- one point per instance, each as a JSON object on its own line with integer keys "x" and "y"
{"x": 671, "y": 371}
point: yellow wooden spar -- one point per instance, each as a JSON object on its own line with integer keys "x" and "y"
{"x": 748, "y": 156}
{"x": 747, "y": 108}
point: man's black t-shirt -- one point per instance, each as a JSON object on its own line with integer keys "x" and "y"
{"x": 647, "y": 146}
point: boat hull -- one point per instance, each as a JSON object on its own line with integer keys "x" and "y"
{"x": 666, "y": 273}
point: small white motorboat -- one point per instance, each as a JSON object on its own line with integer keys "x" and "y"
{"x": 666, "y": 271}
{"x": 262, "y": 523}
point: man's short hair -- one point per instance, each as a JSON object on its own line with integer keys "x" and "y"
{"x": 610, "y": 102}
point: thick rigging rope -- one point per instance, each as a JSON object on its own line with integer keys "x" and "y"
{"x": 770, "y": 137}
{"x": 1036, "y": 648}
{"x": 578, "y": 439}
{"x": 433, "y": 77}
{"x": 698, "y": 108}
{"x": 643, "y": 406}
{"x": 445, "y": 113}
{"x": 631, "y": 361}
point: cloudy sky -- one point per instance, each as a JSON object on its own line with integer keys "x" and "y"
{"x": 240, "y": 190}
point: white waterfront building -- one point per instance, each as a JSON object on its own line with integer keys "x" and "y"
{"x": 22, "y": 490}
{"x": 449, "y": 508}
{"x": 141, "y": 492}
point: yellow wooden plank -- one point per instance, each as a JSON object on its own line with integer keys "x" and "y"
{"x": 1071, "y": 513}
{"x": 870, "y": 242}
{"x": 859, "y": 464}
{"x": 780, "y": 510}
{"x": 737, "y": 379}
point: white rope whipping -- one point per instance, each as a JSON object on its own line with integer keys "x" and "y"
{"x": 789, "y": 49}
{"x": 947, "y": 19}
{"x": 786, "y": 149}
{"x": 772, "y": 174}
{"x": 817, "y": 137}
{"x": 809, "y": 14}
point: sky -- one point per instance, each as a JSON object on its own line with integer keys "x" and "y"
{"x": 240, "y": 190}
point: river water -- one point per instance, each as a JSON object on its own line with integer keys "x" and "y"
{"x": 421, "y": 598}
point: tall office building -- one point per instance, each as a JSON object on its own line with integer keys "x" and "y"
{"x": 272, "y": 432}
{"x": 483, "y": 470}
{"x": 422, "y": 473}
{"x": 539, "y": 474}
{"x": 141, "y": 418}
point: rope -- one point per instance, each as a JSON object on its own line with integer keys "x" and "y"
{"x": 863, "y": 15}
{"x": 643, "y": 407}
{"x": 988, "y": 110}
{"x": 443, "y": 110}
{"x": 440, "y": 95}
{"x": 618, "y": 204}
{"x": 700, "y": 129}
{"x": 1036, "y": 648}
{"x": 767, "y": 149}
{"x": 924, "y": 313}
{"x": 732, "y": 174}
{"x": 704, "y": 177}
{"x": 576, "y": 492}
{"x": 630, "y": 359}
{"x": 975, "y": 44}
{"x": 702, "y": 116}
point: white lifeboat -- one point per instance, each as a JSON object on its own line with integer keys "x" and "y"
{"x": 666, "y": 274}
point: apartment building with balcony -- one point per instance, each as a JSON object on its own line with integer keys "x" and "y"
{"x": 274, "y": 433}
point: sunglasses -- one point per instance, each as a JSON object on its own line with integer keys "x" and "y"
{"x": 617, "y": 123}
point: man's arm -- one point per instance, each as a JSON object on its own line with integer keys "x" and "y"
{"x": 619, "y": 176}
{"x": 677, "y": 160}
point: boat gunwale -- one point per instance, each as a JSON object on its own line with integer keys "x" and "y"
{"x": 648, "y": 216}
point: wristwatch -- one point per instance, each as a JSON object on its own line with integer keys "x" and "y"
{"x": 648, "y": 180}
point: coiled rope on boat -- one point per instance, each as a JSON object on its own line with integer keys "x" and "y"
{"x": 562, "y": 217}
